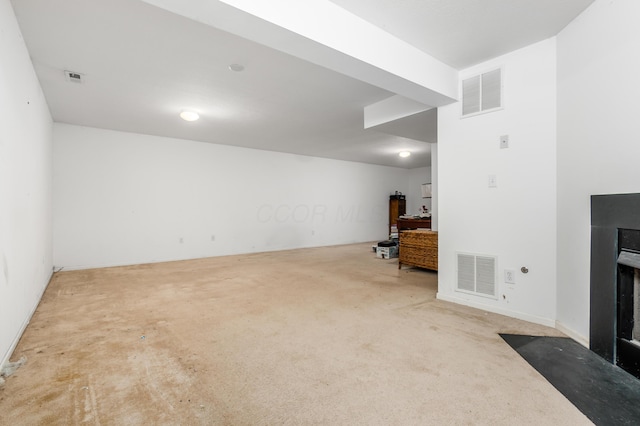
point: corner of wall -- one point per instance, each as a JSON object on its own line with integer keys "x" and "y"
{"x": 583, "y": 340}
{"x": 26, "y": 164}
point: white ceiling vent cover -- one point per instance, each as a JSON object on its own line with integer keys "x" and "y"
{"x": 482, "y": 93}
{"x": 476, "y": 274}
{"x": 73, "y": 77}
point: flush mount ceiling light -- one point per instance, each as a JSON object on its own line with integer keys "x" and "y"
{"x": 236, "y": 67}
{"x": 189, "y": 115}
{"x": 404, "y": 154}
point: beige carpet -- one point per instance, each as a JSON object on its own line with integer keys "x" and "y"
{"x": 316, "y": 336}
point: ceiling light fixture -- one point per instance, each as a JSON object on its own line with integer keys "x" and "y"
{"x": 189, "y": 115}
{"x": 236, "y": 67}
{"x": 404, "y": 154}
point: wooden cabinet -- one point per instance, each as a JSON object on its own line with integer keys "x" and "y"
{"x": 418, "y": 248}
{"x": 414, "y": 223}
{"x": 397, "y": 207}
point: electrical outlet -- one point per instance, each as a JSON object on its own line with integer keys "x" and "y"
{"x": 181, "y": 240}
{"x": 213, "y": 238}
{"x": 492, "y": 181}
{"x": 509, "y": 276}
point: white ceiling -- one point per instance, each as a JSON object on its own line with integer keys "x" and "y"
{"x": 462, "y": 33}
{"x": 142, "y": 65}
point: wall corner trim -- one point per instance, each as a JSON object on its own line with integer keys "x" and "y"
{"x": 5, "y": 357}
{"x": 584, "y": 341}
{"x": 497, "y": 310}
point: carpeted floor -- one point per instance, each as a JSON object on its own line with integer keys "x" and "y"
{"x": 315, "y": 336}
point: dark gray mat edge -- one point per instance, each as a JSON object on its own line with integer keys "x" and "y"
{"x": 604, "y": 393}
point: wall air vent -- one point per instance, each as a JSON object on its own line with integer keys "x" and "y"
{"x": 476, "y": 274}
{"x": 73, "y": 77}
{"x": 482, "y": 93}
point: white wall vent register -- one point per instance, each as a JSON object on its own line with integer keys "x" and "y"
{"x": 476, "y": 274}
{"x": 482, "y": 93}
{"x": 73, "y": 77}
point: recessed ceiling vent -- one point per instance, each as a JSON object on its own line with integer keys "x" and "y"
{"x": 482, "y": 93}
{"x": 74, "y": 77}
{"x": 476, "y": 274}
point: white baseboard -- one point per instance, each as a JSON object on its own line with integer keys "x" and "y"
{"x": 497, "y": 310}
{"x": 26, "y": 322}
{"x": 584, "y": 341}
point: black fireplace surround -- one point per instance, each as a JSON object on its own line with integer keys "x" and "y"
{"x": 615, "y": 227}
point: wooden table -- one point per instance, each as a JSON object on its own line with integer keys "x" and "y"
{"x": 414, "y": 223}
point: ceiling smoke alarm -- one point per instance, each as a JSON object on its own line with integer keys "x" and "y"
{"x": 73, "y": 77}
{"x": 236, "y": 67}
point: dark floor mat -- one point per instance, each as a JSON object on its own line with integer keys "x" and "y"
{"x": 606, "y": 394}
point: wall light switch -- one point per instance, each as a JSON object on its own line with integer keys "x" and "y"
{"x": 504, "y": 141}
{"x": 493, "y": 181}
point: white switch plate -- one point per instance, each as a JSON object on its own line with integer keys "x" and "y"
{"x": 493, "y": 181}
{"x": 509, "y": 276}
{"x": 504, "y": 141}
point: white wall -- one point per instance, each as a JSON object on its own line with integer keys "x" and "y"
{"x": 515, "y": 221}
{"x": 598, "y": 131}
{"x": 123, "y": 198}
{"x": 417, "y": 177}
{"x": 434, "y": 186}
{"x": 25, "y": 185}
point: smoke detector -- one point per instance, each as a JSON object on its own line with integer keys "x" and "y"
{"x": 74, "y": 77}
{"x": 236, "y": 67}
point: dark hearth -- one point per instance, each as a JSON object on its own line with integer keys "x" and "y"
{"x": 605, "y": 393}
{"x": 615, "y": 253}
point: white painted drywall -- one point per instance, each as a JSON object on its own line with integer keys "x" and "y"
{"x": 434, "y": 186}
{"x": 417, "y": 177}
{"x": 25, "y": 185}
{"x": 598, "y": 132}
{"x": 516, "y": 220}
{"x": 301, "y": 29}
{"x": 123, "y": 198}
{"x": 391, "y": 109}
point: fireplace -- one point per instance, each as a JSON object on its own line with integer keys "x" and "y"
{"x": 614, "y": 331}
{"x": 627, "y": 348}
